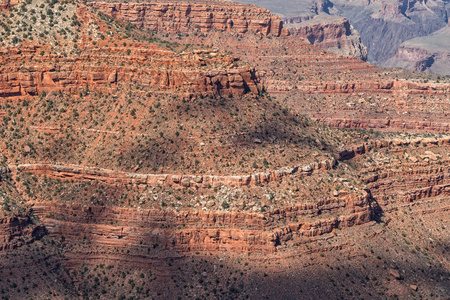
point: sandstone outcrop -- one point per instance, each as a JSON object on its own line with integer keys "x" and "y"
{"x": 4, "y": 4}
{"x": 350, "y": 152}
{"x": 187, "y": 17}
{"x": 206, "y": 181}
{"x": 403, "y": 20}
{"x": 340, "y": 91}
{"x": 211, "y": 231}
{"x": 156, "y": 182}
{"x": 391, "y": 124}
{"x": 165, "y": 71}
{"x": 378, "y": 87}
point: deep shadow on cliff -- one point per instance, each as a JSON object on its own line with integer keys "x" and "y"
{"x": 369, "y": 261}
{"x": 118, "y": 163}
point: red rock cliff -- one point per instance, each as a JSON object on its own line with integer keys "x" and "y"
{"x": 182, "y": 17}
{"x": 165, "y": 71}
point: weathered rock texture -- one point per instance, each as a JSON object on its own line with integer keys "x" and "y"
{"x": 186, "y": 17}
{"x": 165, "y": 71}
{"x": 211, "y": 231}
{"x": 331, "y": 33}
{"x": 202, "y": 231}
{"x": 206, "y": 181}
{"x": 341, "y": 91}
{"x": 346, "y": 211}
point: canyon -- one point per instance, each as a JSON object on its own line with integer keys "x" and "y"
{"x": 429, "y": 53}
{"x": 383, "y": 26}
{"x": 334, "y": 34}
{"x": 200, "y": 150}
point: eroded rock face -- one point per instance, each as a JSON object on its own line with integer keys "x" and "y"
{"x": 331, "y": 33}
{"x": 174, "y": 180}
{"x": 211, "y": 231}
{"x": 184, "y": 17}
{"x": 147, "y": 65}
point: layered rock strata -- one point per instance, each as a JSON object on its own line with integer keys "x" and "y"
{"x": 206, "y": 181}
{"x": 351, "y": 151}
{"x": 384, "y": 124}
{"x": 386, "y": 87}
{"x": 429, "y": 53}
{"x": 331, "y": 33}
{"x": 147, "y": 65}
{"x": 204, "y": 16}
{"x": 211, "y": 231}
{"x": 403, "y": 20}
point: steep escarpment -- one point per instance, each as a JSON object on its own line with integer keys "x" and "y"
{"x": 220, "y": 214}
{"x": 429, "y": 53}
{"x": 418, "y": 176}
{"x": 291, "y": 70}
{"x": 148, "y": 164}
{"x": 198, "y": 230}
{"x": 176, "y": 180}
{"x": 331, "y": 33}
{"x": 219, "y": 230}
{"x": 404, "y": 20}
{"x": 204, "y": 16}
{"x": 176, "y": 124}
{"x": 99, "y": 236}
{"x": 26, "y": 71}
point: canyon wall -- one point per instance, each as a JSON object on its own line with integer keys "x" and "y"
{"x": 204, "y": 16}
{"x": 331, "y": 33}
{"x": 165, "y": 71}
{"x": 429, "y": 53}
{"x": 378, "y": 87}
{"x": 382, "y": 25}
{"x": 175, "y": 180}
{"x": 210, "y": 231}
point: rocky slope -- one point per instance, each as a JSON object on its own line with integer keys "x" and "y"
{"x": 191, "y": 173}
{"x": 94, "y": 236}
{"x": 18, "y": 231}
{"x": 72, "y": 75}
{"x": 34, "y": 68}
